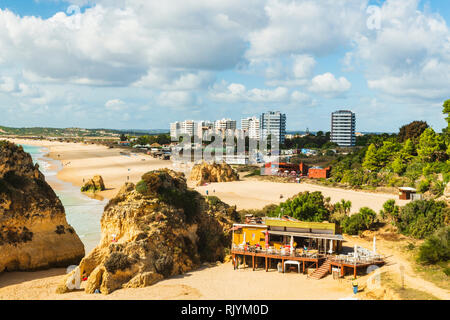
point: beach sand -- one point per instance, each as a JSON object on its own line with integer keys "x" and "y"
{"x": 208, "y": 282}
{"x": 81, "y": 161}
{"x": 253, "y": 194}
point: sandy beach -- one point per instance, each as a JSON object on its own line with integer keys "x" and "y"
{"x": 208, "y": 282}
{"x": 82, "y": 161}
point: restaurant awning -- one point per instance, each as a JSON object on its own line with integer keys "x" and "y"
{"x": 338, "y": 237}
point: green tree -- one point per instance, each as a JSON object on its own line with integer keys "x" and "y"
{"x": 431, "y": 146}
{"x": 386, "y": 153}
{"x": 398, "y": 165}
{"x": 305, "y": 206}
{"x": 370, "y": 160}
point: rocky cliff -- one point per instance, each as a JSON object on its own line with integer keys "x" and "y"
{"x": 34, "y": 233}
{"x": 212, "y": 172}
{"x": 94, "y": 184}
{"x": 152, "y": 230}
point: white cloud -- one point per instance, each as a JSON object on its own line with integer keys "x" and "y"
{"x": 165, "y": 79}
{"x": 118, "y": 43}
{"x": 307, "y": 26}
{"x": 176, "y": 99}
{"x": 115, "y": 105}
{"x": 327, "y": 85}
{"x": 409, "y": 56}
{"x": 303, "y": 66}
{"x": 7, "y": 84}
{"x": 236, "y": 92}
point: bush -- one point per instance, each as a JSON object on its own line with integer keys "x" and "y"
{"x": 186, "y": 200}
{"x": 141, "y": 187}
{"x": 437, "y": 188}
{"x": 436, "y": 248}
{"x": 390, "y": 210}
{"x": 213, "y": 200}
{"x": 361, "y": 221}
{"x": 423, "y": 186}
{"x": 117, "y": 261}
{"x": 421, "y": 218}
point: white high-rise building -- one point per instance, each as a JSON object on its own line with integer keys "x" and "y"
{"x": 184, "y": 127}
{"x": 252, "y": 126}
{"x": 225, "y": 124}
{"x": 343, "y": 123}
{"x": 273, "y": 123}
{"x": 174, "y": 129}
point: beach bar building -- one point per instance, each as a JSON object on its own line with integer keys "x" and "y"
{"x": 305, "y": 245}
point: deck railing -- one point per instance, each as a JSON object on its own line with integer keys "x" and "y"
{"x": 338, "y": 258}
{"x": 363, "y": 260}
{"x": 277, "y": 252}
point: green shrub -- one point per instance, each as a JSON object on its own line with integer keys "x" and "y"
{"x": 390, "y": 211}
{"x": 117, "y": 261}
{"x": 437, "y": 188}
{"x": 141, "y": 187}
{"x": 186, "y": 200}
{"x": 436, "y": 248}
{"x": 421, "y": 218}
{"x": 423, "y": 186}
{"x": 213, "y": 200}
{"x": 361, "y": 221}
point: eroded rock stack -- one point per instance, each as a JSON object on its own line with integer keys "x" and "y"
{"x": 34, "y": 233}
{"x": 152, "y": 230}
{"x": 212, "y": 172}
{"x": 93, "y": 185}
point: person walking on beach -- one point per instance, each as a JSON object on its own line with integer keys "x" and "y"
{"x": 206, "y": 192}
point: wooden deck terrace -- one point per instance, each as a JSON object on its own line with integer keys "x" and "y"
{"x": 306, "y": 260}
{"x": 335, "y": 262}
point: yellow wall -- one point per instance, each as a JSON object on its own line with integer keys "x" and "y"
{"x": 252, "y": 236}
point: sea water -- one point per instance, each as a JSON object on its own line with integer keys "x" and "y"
{"x": 82, "y": 212}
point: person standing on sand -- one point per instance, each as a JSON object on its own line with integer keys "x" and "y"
{"x": 206, "y": 192}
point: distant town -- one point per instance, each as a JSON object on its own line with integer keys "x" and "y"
{"x": 270, "y": 123}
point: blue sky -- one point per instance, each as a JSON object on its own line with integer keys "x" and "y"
{"x": 143, "y": 64}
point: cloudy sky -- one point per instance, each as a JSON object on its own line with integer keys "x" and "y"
{"x": 144, "y": 63}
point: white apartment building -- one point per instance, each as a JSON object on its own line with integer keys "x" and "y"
{"x": 343, "y": 124}
{"x": 252, "y": 126}
{"x": 225, "y": 124}
{"x": 273, "y": 123}
{"x": 183, "y": 127}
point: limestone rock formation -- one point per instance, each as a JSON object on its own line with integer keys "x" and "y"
{"x": 34, "y": 233}
{"x": 94, "y": 184}
{"x": 216, "y": 172}
{"x": 155, "y": 229}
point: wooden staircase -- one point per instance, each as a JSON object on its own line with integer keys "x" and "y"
{"x": 322, "y": 271}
